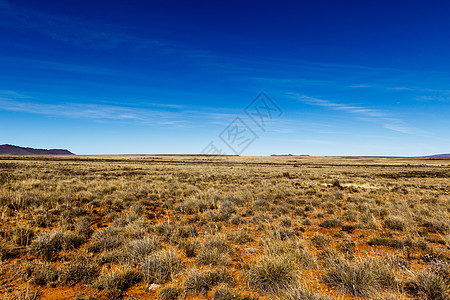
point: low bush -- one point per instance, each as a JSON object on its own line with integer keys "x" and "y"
{"x": 119, "y": 280}
{"x": 202, "y": 281}
{"x": 191, "y": 206}
{"x": 137, "y": 250}
{"x": 331, "y": 223}
{"x": 169, "y": 293}
{"x": 271, "y": 274}
{"x": 161, "y": 266}
{"x": 43, "y": 274}
{"x": 80, "y": 270}
{"x": 429, "y": 285}
{"x": 361, "y": 277}
{"x": 301, "y": 292}
{"x": 105, "y": 239}
{"x": 21, "y": 236}
{"x": 394, "y": 223}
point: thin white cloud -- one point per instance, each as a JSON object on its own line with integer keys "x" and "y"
{"x": 363, "y": 113}
{"x": 161, "y": 114}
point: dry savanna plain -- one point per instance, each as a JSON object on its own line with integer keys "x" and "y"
{"x": 224, "y": 227}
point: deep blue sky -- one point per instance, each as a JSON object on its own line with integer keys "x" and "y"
{"x": 351, "y": 77}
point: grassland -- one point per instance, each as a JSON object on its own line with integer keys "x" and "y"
{"x": 196, "y": 227}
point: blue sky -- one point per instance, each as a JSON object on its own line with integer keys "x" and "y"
{"x": 350, "y": 77}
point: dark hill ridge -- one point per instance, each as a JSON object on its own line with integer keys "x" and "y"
{"x": 440, "y": 155}
{"x": 16, "y": 150}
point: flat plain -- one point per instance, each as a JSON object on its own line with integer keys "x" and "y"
{"x": 224, "y": 227}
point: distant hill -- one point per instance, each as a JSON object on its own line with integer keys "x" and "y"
{"x": 440, "y": 155}
{"x": 289, "y": 155}
{"x": 16, "y": 150}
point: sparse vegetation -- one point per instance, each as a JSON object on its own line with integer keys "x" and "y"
{"x": 178, "y": 227}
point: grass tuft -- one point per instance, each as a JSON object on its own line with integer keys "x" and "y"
{"x": 271, "y": 274}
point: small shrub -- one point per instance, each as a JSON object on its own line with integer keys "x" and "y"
{"x": 443, "y": 269}
{"x": 306, "y": 259}
{"x": 241, "y": 237}
{"x": 429, "y": 285}
{"x": 83, "y": 227}
{"x": 161, "y": 266}
{"x": 44, "y": 220}
{"x": 394, "y": 223}
{"x": 348, "y": 249}
{"x": 436, "y": 226}
{"x": 191, "y": 206}
{"x": 117, "y": 281}
{"x": 105, "y": 239}
{"x": 302, "y": 292}
{"x": 81, "y": 270}
{"x": 190, "y": 248}
{"x": 348, "y": 228}
{"x": 224, "y": 293}
{"x": 286, "y": 222}
{"x": 213, "y": 257}
{"x": 271, "y": 274}
{"x": 21, "y": 236}
{"x": 331, "y": 223}
{"x": 385, "y": 240}
{"x": 187, "y": 231}
{"x": 218, "y": 242}
{"x": 320, "y": 241}
{"x": 336, "y": 183}
{"x": 169, "y": 293}
{"x": 47, "y": 246}
{"x": 202, "y": 282}
{"x": 44, "y": 274}
{"x": 137, "y": 209}
{"x": 137, "y": 250}
{"x": 359, "y": 278}
{"x": 237, "y": 220}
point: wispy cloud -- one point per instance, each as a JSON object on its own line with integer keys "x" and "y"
{"x": 363, "y": 113}
{"x": 161, "y": 114}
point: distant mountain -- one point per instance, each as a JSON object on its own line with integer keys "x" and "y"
{"x": 440, "y": 155}
{"x": 289, "y": 155}
{"x": 16, "y": 150}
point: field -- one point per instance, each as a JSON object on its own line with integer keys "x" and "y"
{"x": 216, "y": 227}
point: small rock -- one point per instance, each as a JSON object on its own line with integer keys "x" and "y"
{"x": 154, "y": 286}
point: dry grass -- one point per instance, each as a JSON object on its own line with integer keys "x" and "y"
{"x": 183, "y": 227}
